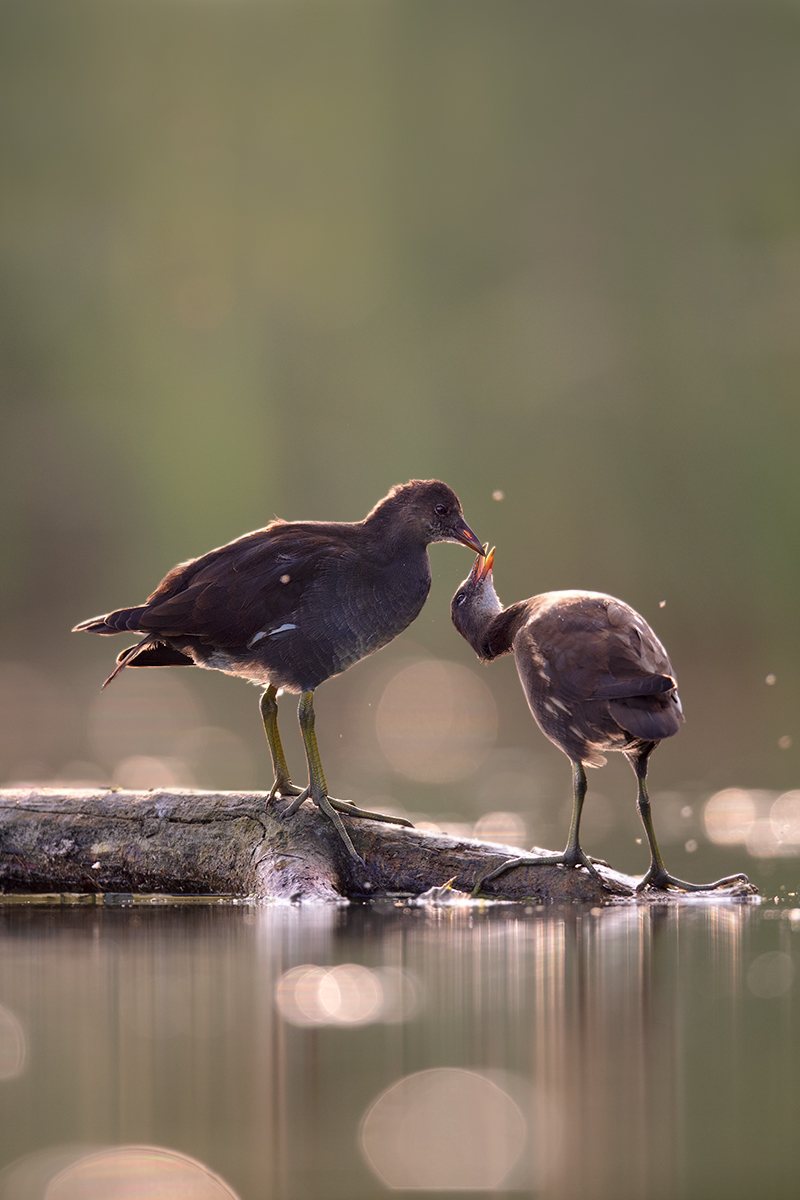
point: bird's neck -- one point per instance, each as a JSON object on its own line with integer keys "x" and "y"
{"x": 392, "y": 539}
{"x": 498, "y": 630}
{"x": 474, "y": 619}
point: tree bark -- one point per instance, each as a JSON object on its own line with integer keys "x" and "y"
{"x": 188, "y": 843}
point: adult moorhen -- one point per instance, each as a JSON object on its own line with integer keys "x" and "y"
{"x": 294, "y": 603}
{"x": 596, "y": 677}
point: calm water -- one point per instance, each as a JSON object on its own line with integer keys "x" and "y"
{"x": 635, "y": 1051}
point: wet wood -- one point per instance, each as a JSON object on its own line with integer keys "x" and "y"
{"x": 230, "y": 843}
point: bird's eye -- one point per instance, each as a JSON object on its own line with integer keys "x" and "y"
{"x": 441, "y": 509}
{"x": 460, "y": 597}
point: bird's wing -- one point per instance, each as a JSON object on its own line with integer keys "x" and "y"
{"x": 256, "y": 582}
{"x": 612, "y": 688}
{"x": 650, "y": 717}
{"x": 598, "y": 649}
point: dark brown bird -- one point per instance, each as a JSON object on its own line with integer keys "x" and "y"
{"x": 292, "y": 604}
{"x": 596, "y": 677}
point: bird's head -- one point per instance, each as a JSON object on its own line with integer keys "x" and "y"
{"x": 476, "y": 602}
{"x": 429, "y": 510}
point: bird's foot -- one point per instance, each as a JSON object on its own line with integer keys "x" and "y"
{"x": 498, "y": 871}
{"x": 331, "y": 807}
{"x": 284, "y": 788}
{"x": 660, "y": 881}
{"x": 325, "y": 806}
{"x": 571, "y": 857}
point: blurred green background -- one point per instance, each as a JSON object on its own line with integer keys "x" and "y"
{"x": 269, "y": 258}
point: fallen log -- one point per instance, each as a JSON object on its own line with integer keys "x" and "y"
{"x": 191, "y": 843}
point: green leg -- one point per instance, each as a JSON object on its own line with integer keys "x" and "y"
{"x": 657, "y": 876}
{"x": 573, "y": 855}
{"x": 283, "y": 785}
{"x": 317, "y": 789}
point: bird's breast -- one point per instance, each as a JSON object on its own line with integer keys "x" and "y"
{"x": 370, "y": 615}
{"x": 347, "y": 617}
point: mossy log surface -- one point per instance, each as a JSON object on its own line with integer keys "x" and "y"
{"x": 190, "y": 843}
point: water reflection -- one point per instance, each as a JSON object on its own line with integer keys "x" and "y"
{"x": 12, "y": 1045}
{"x": 630, "y": 1051}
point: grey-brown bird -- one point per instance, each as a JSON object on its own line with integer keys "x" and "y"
{"x": 596, "y": 678}
{"x": 292, "y": 604}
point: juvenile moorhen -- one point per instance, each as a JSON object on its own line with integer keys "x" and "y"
{"x": 294, "y": 603}
{"x": 596, "y": 677}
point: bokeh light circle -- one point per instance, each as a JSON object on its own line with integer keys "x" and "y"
{"x": 145, "y": 713}
{"x": 350, "y": 994}
{"x": 346, "y": 995}
{"x": 142, "y": 771}
{"x": 770, "y": 975}
{"x": 136, "y": 1172}
{"x": 728, "y": 816}
{"x": 503, "y": 828}
{"x": 436, "y": 721}
{"x": 444, "y": 1129}
{"x": 785, "y": 818}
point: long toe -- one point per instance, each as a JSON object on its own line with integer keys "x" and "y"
{"x": 566, "y": 859}
{"x": 661, "y": 881}
{"x": 284, "y": 789}
{"x": 349, "y": 809}
{"x": 498, "y": 871}
{"x": 298, "y": 800}
{"x": 571, "y": 857}
{"x": 325, "y": 806}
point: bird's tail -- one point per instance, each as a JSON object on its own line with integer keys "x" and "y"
{"x": 150, "y": 652}
{"x": 114, "y": 622}
{"x": 649, "y": 717}
{"x": 127, "y": 620}
{"x": 126, "y": 657}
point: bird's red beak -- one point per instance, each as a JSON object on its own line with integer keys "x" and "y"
{"x": 486, "y": 563}
{"x": 482, "y": 567}
{"x": 468, "y": 538}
